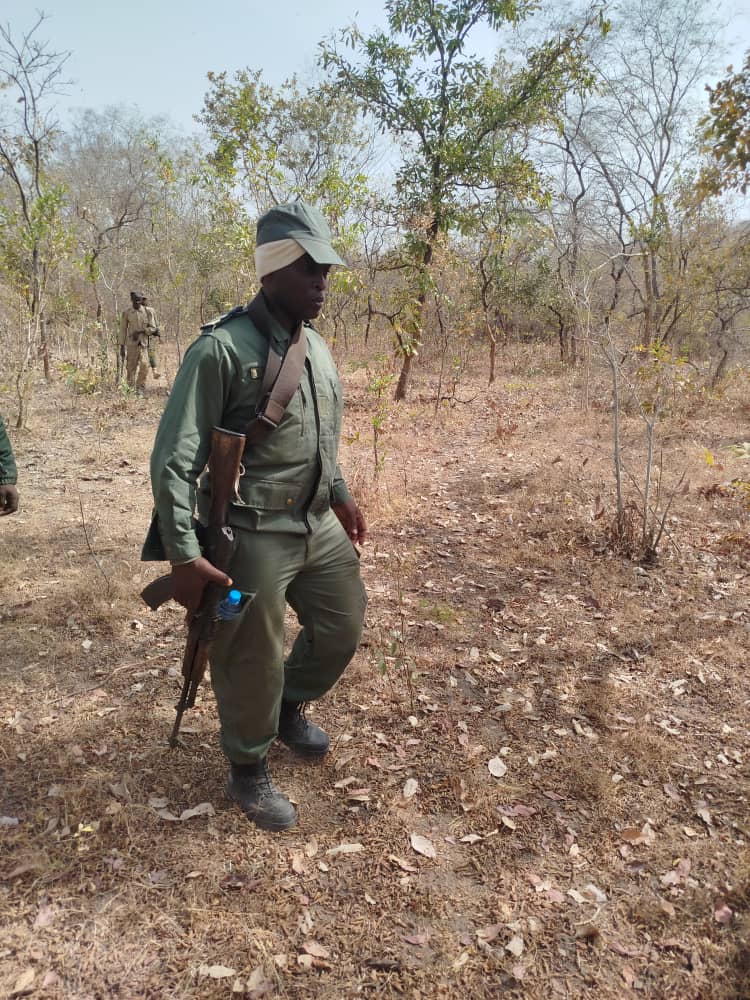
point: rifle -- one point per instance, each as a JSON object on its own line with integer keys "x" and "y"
{"x": 150, "y": 351}
{"x": 224, "y": 466}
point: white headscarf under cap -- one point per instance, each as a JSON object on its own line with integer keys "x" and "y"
{"x": 273, "y": 256}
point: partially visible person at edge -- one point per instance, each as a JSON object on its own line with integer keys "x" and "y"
{"x": 297, "y": 521}
{"x": 8, "y": 474}
{"x": 138, "y": 330}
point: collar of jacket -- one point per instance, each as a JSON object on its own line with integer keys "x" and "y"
{"x": 279, "y": 335}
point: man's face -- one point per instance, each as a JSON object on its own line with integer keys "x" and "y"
{"x": 299, "y": 289}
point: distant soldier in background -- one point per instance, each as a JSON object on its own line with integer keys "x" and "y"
{"x": 8, "y": 491}
{"x": 138, "y": 330}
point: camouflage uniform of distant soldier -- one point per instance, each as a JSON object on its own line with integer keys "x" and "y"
{"x": 138, "y": 328}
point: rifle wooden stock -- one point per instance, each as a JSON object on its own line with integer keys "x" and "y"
{"x": 224, "y": 464}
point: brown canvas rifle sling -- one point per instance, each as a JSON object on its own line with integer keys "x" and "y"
{"x": 280, "y": 379}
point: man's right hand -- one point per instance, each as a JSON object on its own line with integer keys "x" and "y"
{"x": 190, "y": 580}
{"x": 8, "y": 499}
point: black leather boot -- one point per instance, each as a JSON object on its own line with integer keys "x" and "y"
{"x": 299, "y": 734}
{"x": 251, "y": 788}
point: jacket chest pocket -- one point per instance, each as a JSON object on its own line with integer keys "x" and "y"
{"x": 329, "y": 405}
{"x": 328, "y": 395}
{"x": 324, "y": 395}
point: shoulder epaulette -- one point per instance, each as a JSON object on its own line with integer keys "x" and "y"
{"x": 221, "y": 320}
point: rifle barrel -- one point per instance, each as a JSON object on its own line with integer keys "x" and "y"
{"x": 181, "y": 706}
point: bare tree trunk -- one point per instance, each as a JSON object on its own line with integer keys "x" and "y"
{"x": 370, "y": 313}
{"x": 650, "y": 427}
{"x": 611, "y": 356}
{"x": 720, "y": 369}
{"x": 44, "y": 347}
{"x": 23, "y": 388}
{"x": 403, "y": 379}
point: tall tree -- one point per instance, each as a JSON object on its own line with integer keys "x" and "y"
{"x": 421, "y": 85}
{"x": 628, "y": 144}
{"x": 727, "y": 130}
{"x": 109, "y": 162}
{"x": 30, "y": 233}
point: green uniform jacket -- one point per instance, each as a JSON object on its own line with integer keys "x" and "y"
{"x": 8, "y": 473}
{"x": 289, "y": 480}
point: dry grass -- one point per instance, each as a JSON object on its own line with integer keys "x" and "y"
{"x": 500, "y": 624}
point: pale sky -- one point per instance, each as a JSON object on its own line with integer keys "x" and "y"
{"x": 155, "y": 55}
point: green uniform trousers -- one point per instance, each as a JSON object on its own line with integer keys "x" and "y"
{"x": 318, "y": 575}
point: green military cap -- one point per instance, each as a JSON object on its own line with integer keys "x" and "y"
{"x": 303, "y": 223}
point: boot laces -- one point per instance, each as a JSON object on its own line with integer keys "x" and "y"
{"x": 265, "y": 782}
{"x": 261, "y": 780}
{"x": 295, "y": 716}
{"x": 296, "y": 709}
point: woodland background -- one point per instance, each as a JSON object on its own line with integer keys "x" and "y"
{"x": 538, "y": 781}
{"x": 573, "y": 190}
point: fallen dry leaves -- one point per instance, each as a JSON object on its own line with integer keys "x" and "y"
{"x": 539, "y": 770}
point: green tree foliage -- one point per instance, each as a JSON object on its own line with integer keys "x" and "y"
{"x": 273, "y": 145}
{"x": 421, "y": 85}
{"x": 203, "y": 241}
{"x": 727, "y": 130}
{"x": 278, "y": 145}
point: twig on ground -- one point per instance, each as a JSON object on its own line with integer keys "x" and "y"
{"x": 91, "y": 551}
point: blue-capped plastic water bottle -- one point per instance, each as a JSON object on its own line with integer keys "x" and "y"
{"x": 230, "y": 606}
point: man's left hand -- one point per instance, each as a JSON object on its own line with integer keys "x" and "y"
{"x": 351, "y": 518}
{"x": 8, "y": 499}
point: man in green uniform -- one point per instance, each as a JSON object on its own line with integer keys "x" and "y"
{"x": 138, "y": 328}
{"x": 8, "y": 475}
{"x": 297, "y": 521}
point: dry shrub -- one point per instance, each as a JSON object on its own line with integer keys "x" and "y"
{"x": 648, "y": 754}
{"x": 589, "y": 782}
{"x": 647, "y": 910}
{"x": 735, "y": 543}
